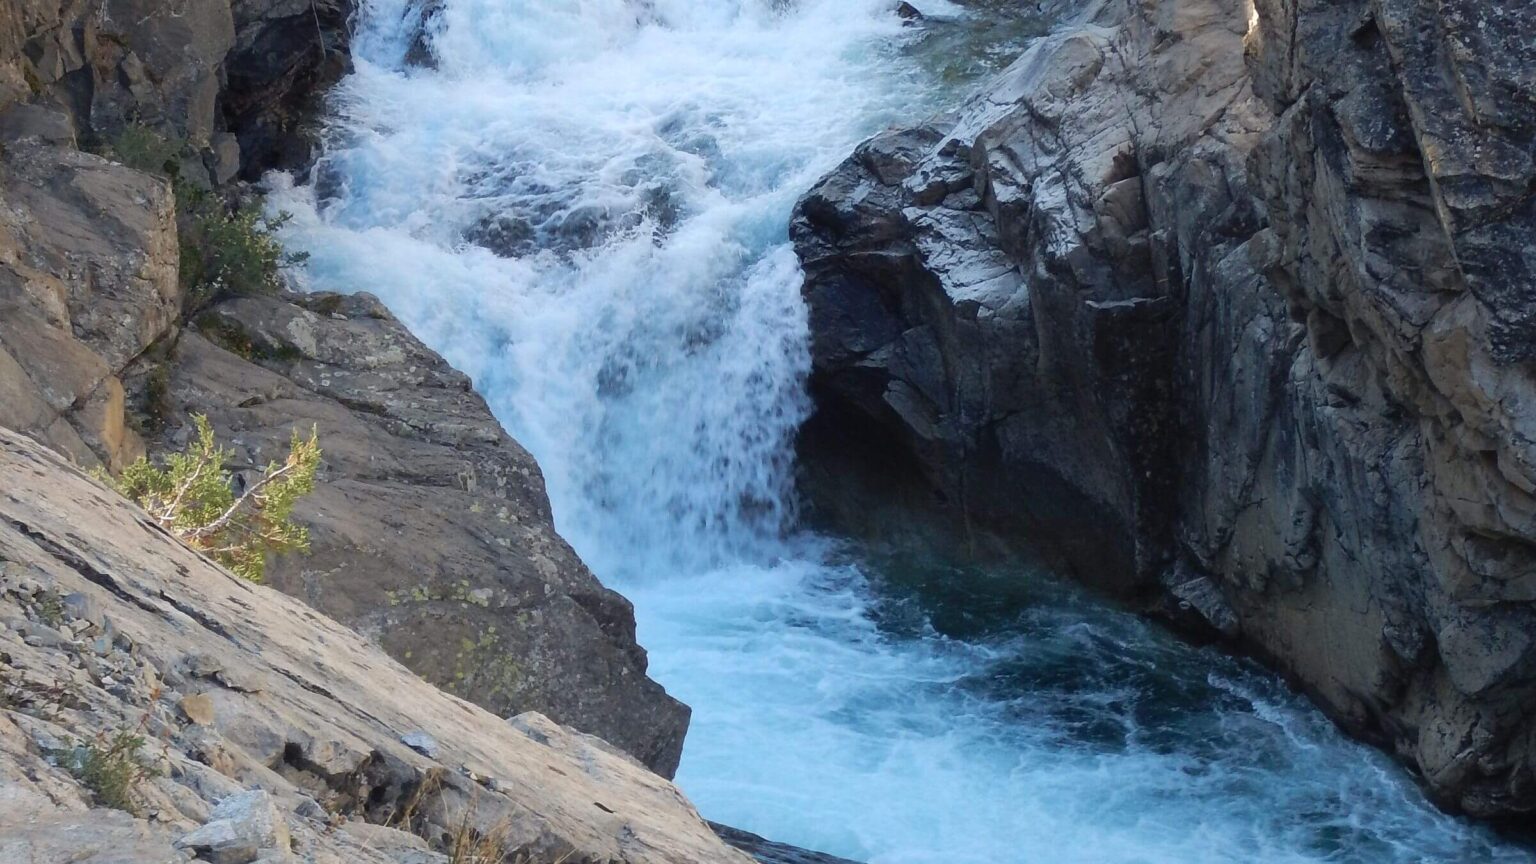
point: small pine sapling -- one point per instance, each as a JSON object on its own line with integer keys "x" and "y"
{"x": 194, "y": 497}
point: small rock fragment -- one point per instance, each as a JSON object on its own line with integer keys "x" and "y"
{"x": 43, "y": 636}
{"x": 80, "y": 606}
{"x": 203, "y": 665}
{"x": 242, "y": 829}
{"x": 422, "y": 743}
{"x": 198, "y": 708}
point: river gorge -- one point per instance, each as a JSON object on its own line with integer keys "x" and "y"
{"x": 585, "y": 207}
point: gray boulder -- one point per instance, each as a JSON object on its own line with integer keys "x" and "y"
{"x": 241, "y": 829}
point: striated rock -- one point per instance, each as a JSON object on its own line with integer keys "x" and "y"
{"x": 317, "y": 747}
{"x": 1231, "y": 312}
{"x": 430, "y": 530}
{"x": 422, "y": 743}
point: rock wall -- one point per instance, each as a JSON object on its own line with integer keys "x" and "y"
{"x": 1229, "y": 308}
{"x": 274, "y": 734}
{"x": 431, "y": 530}
{"x": 80, "y": 295}
{"x": 236, "y": 80}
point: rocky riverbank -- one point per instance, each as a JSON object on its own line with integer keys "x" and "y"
{"x": 431, "y": 533}
{"x": 431, "y": 530}
{"x": 1229, "y": 309}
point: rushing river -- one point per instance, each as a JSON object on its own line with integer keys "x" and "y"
{"x": 639, "y": 327}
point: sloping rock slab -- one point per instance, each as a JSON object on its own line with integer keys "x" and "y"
{"x": 304, "y": 708}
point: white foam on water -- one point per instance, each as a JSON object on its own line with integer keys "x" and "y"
{"x": 643, "y": 334}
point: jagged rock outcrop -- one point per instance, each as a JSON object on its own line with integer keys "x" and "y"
{"x": 274, "y": 734}
{"x": 220, "y": 76}
{"x": 430, "y": 530}
{"x": 286, "y": 54}
{"x": 1230, "y": 307}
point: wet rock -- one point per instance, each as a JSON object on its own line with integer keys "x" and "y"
{"x": 1198, "y": 603}
{"x": 424, "y": 18}
{"x": 768, "y": 852}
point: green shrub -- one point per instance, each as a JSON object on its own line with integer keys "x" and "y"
{"x": 157, "y": 397}
{"x": 226, "y": 249}
{"x": 110, "y": 767}
{"x": 143, "y": 149}
{"x": 50, "y": 609}
{"x": 229, "y": 251}
{"x": 193, "y": 498}
{"x": 34, "y": 83}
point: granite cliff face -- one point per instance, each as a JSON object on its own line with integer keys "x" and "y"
{"x": 431, "y": 529}
{"x": 1229, "y": 308}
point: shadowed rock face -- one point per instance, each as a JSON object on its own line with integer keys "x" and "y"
{"x": 286, "y": 54}
{"x": 239, "y": 81}
{"x": 1229, "y": 308}
{"x": 80, "y": 293}
{"x": 430, "y": 530}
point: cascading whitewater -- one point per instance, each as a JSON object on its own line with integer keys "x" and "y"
{"x": 583, "y": 206}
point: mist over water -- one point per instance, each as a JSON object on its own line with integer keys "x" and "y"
{"x": 584, "y": 207}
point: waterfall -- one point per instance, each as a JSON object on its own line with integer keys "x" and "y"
{"x": 584, "y": 206}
